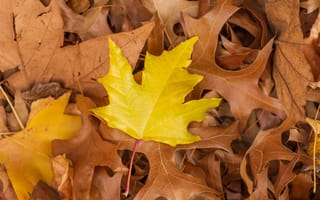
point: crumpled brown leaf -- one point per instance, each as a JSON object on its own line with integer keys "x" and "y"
{"x": 86, "y": 151}
{"x": 34, "y": 43}
{"x": 291, "y": 71}
{"x": 259, "y": 155}
{"x": 239, "y": 88}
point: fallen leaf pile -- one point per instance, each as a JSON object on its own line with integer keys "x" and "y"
{"x": 152, "y": 99}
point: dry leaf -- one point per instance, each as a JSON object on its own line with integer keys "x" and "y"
{"x": 91, "y": 24}
{"x": 165, "y": 180}
{"x": 291, "y": 71}
{"x": 22, "y": 111}
{"x": 26, "y": 154}
{"x": 79, "y": 6}
{"x": 104, "y": 186}
{"x": 310, "y": 5}
{"x": 167, "y": 16}
{"x": 127, "y": 15}
{"x": 261, "y": 153}
{"x": 86, "y": 151}
{"x": 61, "y": 180}
{"x": 239, "y": 88}
{"x": 35, "y": 42}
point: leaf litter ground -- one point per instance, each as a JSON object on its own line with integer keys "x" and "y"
{"x": 257, "y": 144}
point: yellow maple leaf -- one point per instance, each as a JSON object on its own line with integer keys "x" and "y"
{"x": 27, "y": 154}
{"x": 155, "y": 109}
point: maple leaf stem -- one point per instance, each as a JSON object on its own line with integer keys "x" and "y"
{"x": 136, "y": 145}
{"x": 12, "y": 108}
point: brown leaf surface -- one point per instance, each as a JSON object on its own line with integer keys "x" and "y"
{"x": 164, "y": 177}
{"x": 34, "y": 43}
{"x": 166, "y": 180}
{"x": 239, "y": 88}
{"x": 261, "y": 153}
{"x": 291, "y": 72}
{"x": 214, "y": 137}
{"x": 91, "y": 24}
{"x": 169, "y": 13}
{"x": 105, "y": 187}
{"x": 87, "y": 150}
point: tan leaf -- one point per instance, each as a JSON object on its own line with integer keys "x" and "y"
{"x": 35, "y": 42}
{"x": 239, "y": 88}
{"x": 169, "y": 13}
{"x": 90, "y": 24}
{"x": 86, "y": 151}
{"x": 291, "y": 71}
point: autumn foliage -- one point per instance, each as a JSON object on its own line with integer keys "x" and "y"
{"x": 200, "y": 99}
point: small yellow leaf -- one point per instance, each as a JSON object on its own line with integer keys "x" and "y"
{"x": 155, "y": 109}
{"x": 27, "y": 154}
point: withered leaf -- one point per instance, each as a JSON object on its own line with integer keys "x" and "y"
{"x": 168, "y": 17}
{"x": 291, "y": 72}
{"x": 239, "y": 88}
{"x": 33, "y": 41}
{"x": 261, "y": 153}
{"x": 214, "y": 137}
{"x": 165, "y": 179}
{"x": 86, "y": 151}
{"x": 92, "y": 23}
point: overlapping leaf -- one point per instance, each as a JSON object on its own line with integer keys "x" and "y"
{"x": 87, "y": 150}
{"x": 292, "y": 72}
{"x": 26, "y": 155}
{"x": 34, "y": 42}
{"x": 239, "y": 88}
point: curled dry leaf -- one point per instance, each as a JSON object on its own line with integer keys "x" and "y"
{"x": 260, "y": 154}
{"x": 62, "y": 180}
{"x": 26, "y": 154}
{"x": 86, "y": 151}
{"x": 156, "y": 38}
{"x": 34, "y": 43}
{"x": 239, "y": 88}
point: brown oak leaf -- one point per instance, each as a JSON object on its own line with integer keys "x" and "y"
{"x": 239, "y": 88}
{"x": 166, "y": 180}
{"x": 86, "y": 151}
{"x": 261, "y": 153}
